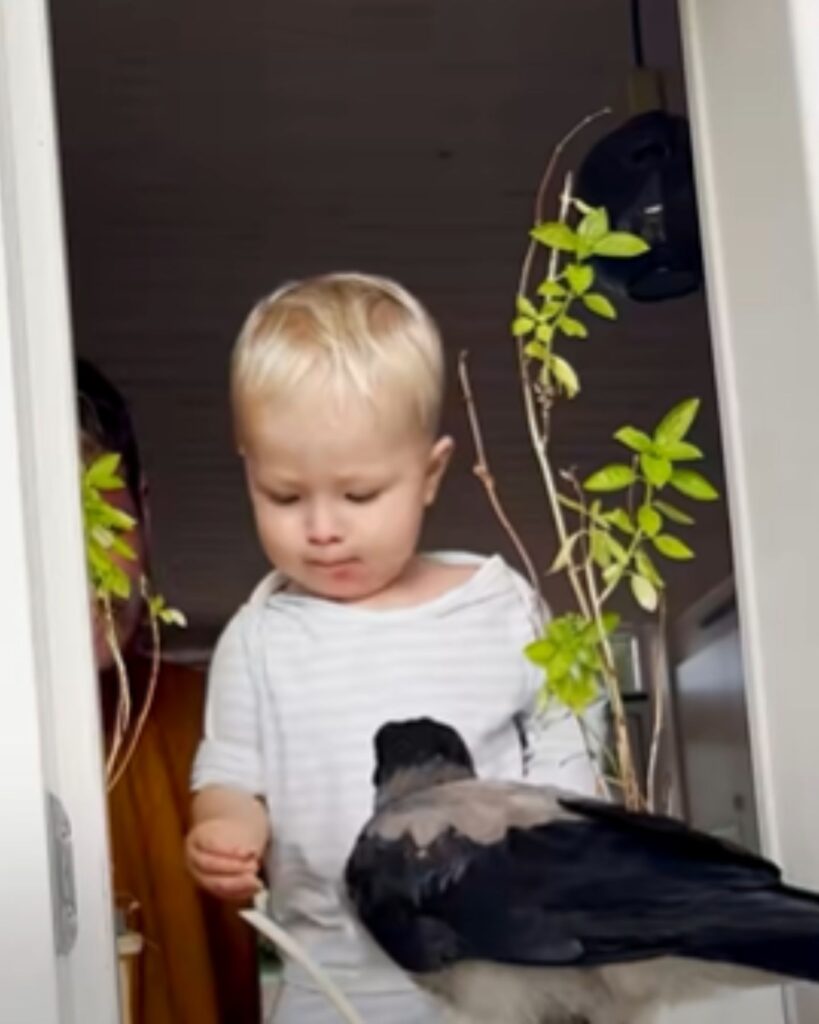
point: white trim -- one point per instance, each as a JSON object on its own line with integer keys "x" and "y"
{"x": 41, "y": 353}
{"x": 752, "y": 90}
{"x": 28, "y": 980}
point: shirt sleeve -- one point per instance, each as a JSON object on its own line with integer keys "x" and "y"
{"x": 230, "y": 752}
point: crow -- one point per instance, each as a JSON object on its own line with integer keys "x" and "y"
{"x": 523, "y": 904}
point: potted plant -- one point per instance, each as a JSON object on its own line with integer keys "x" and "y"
{"x": 615, "y": 527}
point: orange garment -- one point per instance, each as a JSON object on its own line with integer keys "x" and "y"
{"x": 198, "y": 964}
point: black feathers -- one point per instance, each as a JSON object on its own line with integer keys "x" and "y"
{"x": 589, "y": 884}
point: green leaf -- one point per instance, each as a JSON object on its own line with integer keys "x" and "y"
{"x": 173, "y": 617}
{"x": 633, "y": 438}
{"x": 594, "y": 225}
{"x": 611, "y": 620}
{"x": 123, "y": 548}
{"x": 616, "y": 548}
{"x": 673, "y": 547}
{"x": 536, "y": 350}
{"x": 620, "y": 244}
{"x": 657, "y": 469}
{"x": 676, "y": 515}
{"x": 693, "y": 485}
{"x": 102, "y": 474}
{"x": 572, "y": 328}
{"x": 612, "y": 573}
{"x": 522, "y": 325}
{"x": 555, "y": 236}
{"x": 650, "y": 520}
{"x": 563, "y": 559}
{"x": 645, "y": 593}
{"x": 565, "y": 375}
{"x": 544, "y": 333}
{"x": 580, "y": 278}
{"x": 676, "y": 424}
{"x": 599, "y": 305}
{"x": 600, "y": 550}
{"x": 525, "y": 307}
{"x": 540, "y": 651}
{"x": 682, "y": 451}
{"x": 615, "y": 477}
{"x": 621, "y": 519}
{"x": 551, "y": 289}
{"x": 645, "y": 567}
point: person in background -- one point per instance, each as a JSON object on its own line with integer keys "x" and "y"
{"x": 198, "y": 963}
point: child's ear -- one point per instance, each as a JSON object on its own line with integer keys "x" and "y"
{"x": 439, "y": 456}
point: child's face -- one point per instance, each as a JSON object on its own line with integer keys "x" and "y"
{"x": 339, "y": 493}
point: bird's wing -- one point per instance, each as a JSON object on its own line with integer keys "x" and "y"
{"x": 595, "y": 886}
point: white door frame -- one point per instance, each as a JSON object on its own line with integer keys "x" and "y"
{"x": 753, "y": 84}
{"x": 49, "y": 606}
{"x": 753, "y": 90}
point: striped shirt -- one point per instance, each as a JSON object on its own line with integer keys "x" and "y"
{"x": 298, "y": 687}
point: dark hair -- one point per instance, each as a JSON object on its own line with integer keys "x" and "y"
{"x": 104, "y": 417}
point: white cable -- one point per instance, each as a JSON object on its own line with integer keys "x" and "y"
{"x": 289, "y": 947}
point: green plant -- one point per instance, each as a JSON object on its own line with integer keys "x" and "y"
{"x": 614, "y": 527}
{"x": 106, "y": 529}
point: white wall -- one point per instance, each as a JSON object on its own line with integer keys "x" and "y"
{"x": 753, "y": 75}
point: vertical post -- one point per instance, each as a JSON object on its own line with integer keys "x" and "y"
{"x": 37, "y": 354}
{"x": 28, "y": 973}
{"x": 753, "y": 87}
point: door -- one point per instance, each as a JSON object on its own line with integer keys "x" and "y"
{"x": 49, "y": 729}
{"x": 753, "y": 87}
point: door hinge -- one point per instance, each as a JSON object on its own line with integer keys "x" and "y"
{"x": 63, "y": 888}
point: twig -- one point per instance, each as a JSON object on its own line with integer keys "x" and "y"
{"x": 659, "y": 717}
{"x": 601, "y": 778}
{"x": 630, "y": 783}
{"x": 123, "y": 713}
{"x": 483, "y": 472}
{"x": 545, "y": 181}
{"x": 150, "y": 692}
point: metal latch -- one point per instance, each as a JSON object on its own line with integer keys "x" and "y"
{"x": 63, "y": 888}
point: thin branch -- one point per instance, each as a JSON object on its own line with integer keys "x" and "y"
{"x": 123, "y": 713}
{"x": 483, "y": 472}
{"x": 631, "y": 786}
{"x": 601, "y": 778}
{"x": 150, "y": 692}
{"x": 546, "y": 181}
{"x": 659, "y": 715}
{"x": 539, "y": 442}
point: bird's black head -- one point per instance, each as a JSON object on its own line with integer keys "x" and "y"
{"x": 420, "y": 748}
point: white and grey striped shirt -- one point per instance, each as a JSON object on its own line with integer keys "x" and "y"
{"x": 298, "y": 687}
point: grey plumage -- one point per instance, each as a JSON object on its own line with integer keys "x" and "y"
{"x": 526, "y": 905}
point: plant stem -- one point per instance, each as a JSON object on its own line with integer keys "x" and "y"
{"x": 123, "y": 713}
{"x": 628, "y": 775}
{"x": 659, "y": 719}
{"x": 483, "y": 472}
{"x": 150, "y": 692}
{"x": 545, "y": 182}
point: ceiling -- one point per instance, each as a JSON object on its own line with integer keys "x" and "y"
{"x": 211, "y": 151}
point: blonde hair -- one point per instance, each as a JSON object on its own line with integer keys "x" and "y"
{"x": 357, "y": 333}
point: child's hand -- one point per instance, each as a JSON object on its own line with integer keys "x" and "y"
{"x": 223, "y": 856}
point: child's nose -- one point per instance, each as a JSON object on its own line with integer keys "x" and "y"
{"x": 322, "y": 525}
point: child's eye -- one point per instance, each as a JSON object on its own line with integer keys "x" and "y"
{"x": 282, "y": 499}
{"x": 362, "y": 498}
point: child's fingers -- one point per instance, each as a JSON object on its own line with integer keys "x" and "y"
{"x": 207, "y": 842}
{"x": 242, "y": 887}
{"x": 222, "y": 864}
